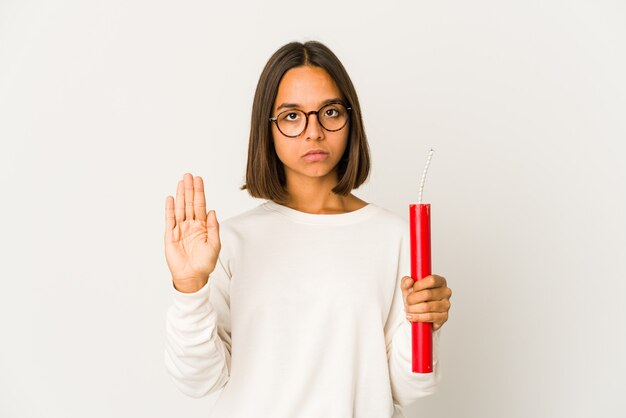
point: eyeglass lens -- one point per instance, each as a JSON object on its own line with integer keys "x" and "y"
{"x": 332, "y": 117}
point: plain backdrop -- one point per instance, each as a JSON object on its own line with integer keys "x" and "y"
{"x": 105, "y": 105}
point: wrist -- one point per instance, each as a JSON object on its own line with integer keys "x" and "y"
{"x": 189, "y": 285}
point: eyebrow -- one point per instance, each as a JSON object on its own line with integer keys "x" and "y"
{"x": 295, "y": 105}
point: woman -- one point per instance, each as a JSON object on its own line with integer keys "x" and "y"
{"x": 302, "y": 312}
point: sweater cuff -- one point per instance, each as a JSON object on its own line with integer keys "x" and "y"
{"x": 188, "y": 302}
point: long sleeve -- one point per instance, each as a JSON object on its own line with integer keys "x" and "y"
{"x": 407, "y": 386}
{"x": 198, "y": 336}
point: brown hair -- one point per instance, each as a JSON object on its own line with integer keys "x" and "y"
{"x": 265, "y": 175}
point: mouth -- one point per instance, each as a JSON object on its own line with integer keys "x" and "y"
{"x": 315, "y": 156}
{"x": 316, "y": 151}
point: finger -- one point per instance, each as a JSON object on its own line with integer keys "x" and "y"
{"x": 425, "y": 307}
{"x": 427, "y": 295}
{"x": 199, "y": 199}
{"x": 188, "y": 182}
{"x": 429, "y": 282}
{"x": 435, "y": 317}
{"x": 406, "y": 285}
{"x": 213, "y": 230}
{"x": 170, "y": 220}
{"x": 180, "y": 203}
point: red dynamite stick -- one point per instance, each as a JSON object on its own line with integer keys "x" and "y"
{"x": 421, "y": 332}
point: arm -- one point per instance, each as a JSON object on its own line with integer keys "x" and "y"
{"x": 406, "y": 386}
{"x": 198, "y": 336}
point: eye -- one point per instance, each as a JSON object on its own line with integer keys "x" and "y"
{"x": 332, "y": 112}
{"x": 290, "y": 116}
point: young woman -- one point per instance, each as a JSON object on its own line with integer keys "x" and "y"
{"x": 299, "y": 307}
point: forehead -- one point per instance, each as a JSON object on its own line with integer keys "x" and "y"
{"x": 307, "y": 87}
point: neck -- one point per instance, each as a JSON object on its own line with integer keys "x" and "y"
{"x": 315, "y": 195}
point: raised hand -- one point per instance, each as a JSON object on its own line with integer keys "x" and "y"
{"x": 192, "y": 241}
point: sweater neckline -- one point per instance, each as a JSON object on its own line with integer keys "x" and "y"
{"x": 321, "y": 219}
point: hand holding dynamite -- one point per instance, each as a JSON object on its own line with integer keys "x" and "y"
{"x": 426, "y": 300}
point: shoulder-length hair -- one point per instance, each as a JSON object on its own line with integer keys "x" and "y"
{"x": 265, "y": 175}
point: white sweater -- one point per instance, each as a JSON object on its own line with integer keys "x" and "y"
{"x": 302, "y": 317}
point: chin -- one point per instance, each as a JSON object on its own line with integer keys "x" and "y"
{"x": 314, "y": 170}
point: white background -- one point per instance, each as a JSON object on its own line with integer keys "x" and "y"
{"x": 105, "y": 105}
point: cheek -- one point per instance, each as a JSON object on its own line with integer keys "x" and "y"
{"x": 285, "y": 150}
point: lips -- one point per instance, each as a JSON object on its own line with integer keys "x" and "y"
{"x": 315, "y": 155}
{"x": 315, "y": 151}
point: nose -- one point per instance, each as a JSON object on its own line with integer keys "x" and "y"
{"x": 313, "y": 128}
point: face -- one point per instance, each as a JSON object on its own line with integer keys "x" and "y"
{"x": 308, "y": 88}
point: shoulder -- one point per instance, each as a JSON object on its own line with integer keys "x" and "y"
{"x": 389, "y": 219}
{"x": 249, "y": 219}
{"x": 233, "y": 231}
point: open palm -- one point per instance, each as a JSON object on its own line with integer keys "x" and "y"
{"x": 192, "y": 242}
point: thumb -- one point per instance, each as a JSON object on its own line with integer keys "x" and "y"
{"x": 407, "y": 286}
{"x": 211, "y": 218}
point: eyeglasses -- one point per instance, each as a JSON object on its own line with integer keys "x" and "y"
{"x": 292, "y": 122}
